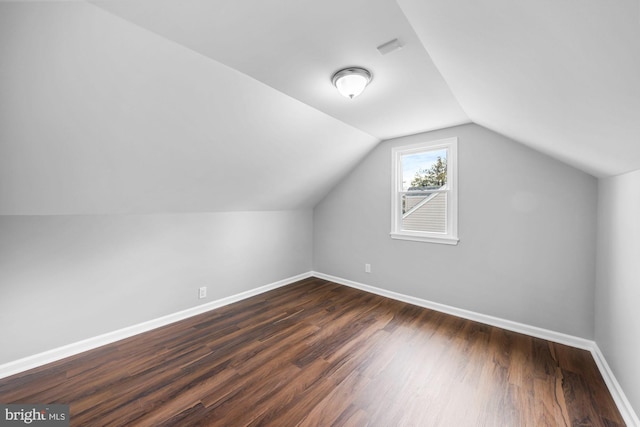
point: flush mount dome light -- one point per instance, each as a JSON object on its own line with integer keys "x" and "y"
{"x": 351, "y": 81}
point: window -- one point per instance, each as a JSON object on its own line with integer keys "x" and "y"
{"x": 424, "y": 196}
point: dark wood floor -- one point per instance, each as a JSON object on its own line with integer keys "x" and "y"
{"x": 320, "y": 354}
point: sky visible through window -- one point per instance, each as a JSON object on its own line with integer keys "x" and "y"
{"x": 412, "y": 163}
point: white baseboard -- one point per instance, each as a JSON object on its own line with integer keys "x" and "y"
{"x": 72, "y": 349}
{"x": 466, "y": 314}
{"x": 24, "y": 364}
{"x": 624, "y": 406}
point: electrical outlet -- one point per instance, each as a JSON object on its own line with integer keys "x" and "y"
{"x": 202, "y": 292}
{"x": 367, "y": 268}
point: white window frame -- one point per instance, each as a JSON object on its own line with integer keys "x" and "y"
{"x": 450, "y": 236}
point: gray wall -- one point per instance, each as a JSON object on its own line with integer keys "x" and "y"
{"x": 527, "y": 228}
{"x": 617, "y": 324}
{"x": 68, "y": 278}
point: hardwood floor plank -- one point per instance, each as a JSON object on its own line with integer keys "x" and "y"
{"x": 318, "y": 353}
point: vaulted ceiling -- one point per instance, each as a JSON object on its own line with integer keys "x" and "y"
{"x": 134, "y": 106}
{"x": 561, "y": 76}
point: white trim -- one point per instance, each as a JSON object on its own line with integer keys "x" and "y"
{"x": 624, "y": 406}
{"x": 451, "y": 235}
{"x": 422, "y": 238}
{"x": 522, "y": 328}
{"x": 30, "y": 362}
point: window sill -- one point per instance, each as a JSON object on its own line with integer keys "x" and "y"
{"x": 427, "y": 239}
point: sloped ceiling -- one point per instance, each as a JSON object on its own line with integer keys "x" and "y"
{"x": 295, "y": 46}
{"x": 560, "y": 76}
{"x": 101, "y": 116}
{"x": 135, "y": 106}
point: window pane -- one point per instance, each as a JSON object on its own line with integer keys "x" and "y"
{"x": 425, "y": 198}
{"x": 424, "y": 211}
{"x": 426, "y": 169}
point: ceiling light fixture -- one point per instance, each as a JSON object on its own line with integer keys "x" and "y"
{"x": 351, "y": 81}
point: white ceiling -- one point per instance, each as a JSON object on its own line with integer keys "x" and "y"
{"x": 562, "y": 76}
{"x": 100, "y": 116}
{"x": 127, "y": 106}
{"x": 295, "y": 46}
